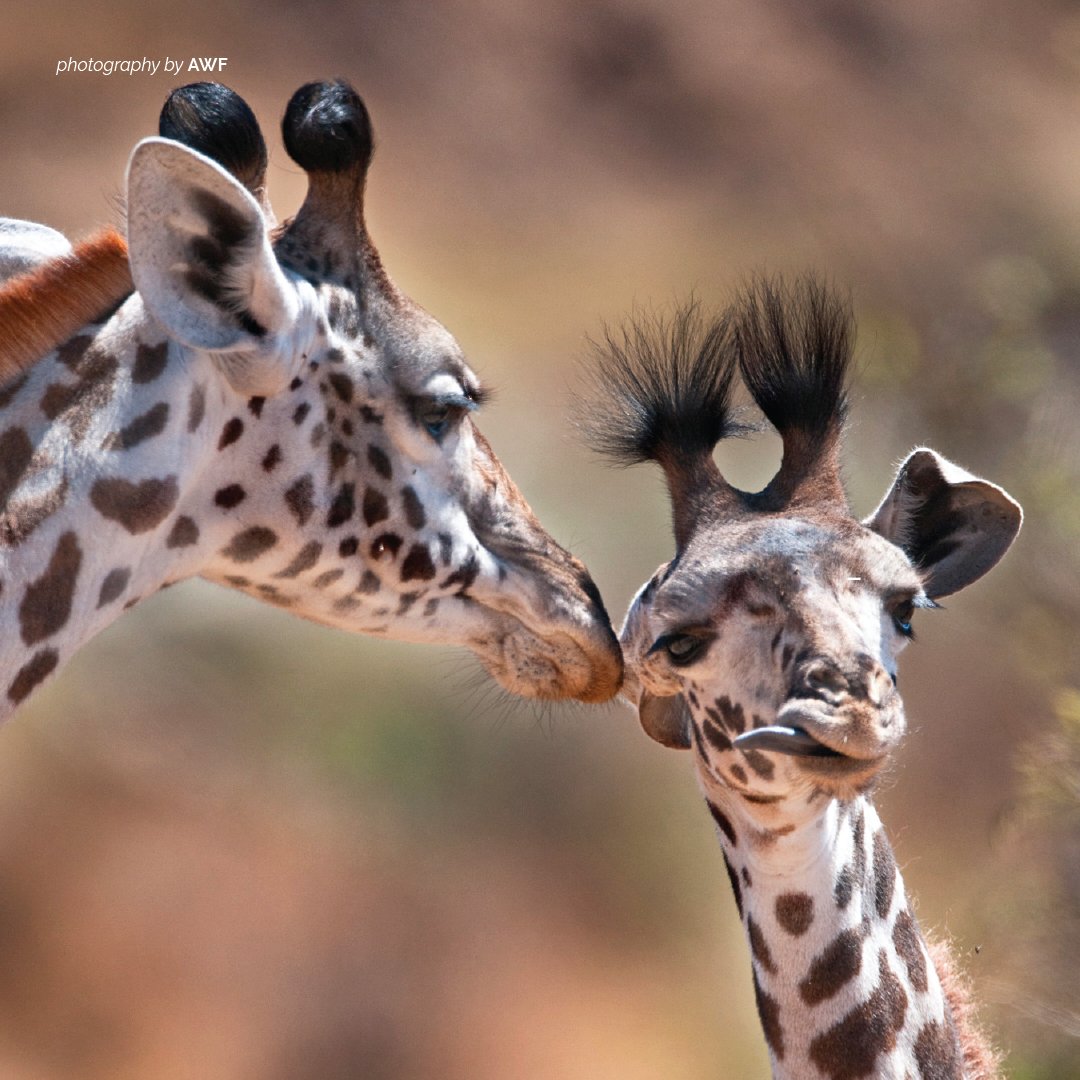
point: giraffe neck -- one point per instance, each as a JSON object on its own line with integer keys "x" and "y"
{"x": 844, "y": 984}
{"x": 128, "y": 463}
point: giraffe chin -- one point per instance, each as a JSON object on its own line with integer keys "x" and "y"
{"x": 555, "y": 667}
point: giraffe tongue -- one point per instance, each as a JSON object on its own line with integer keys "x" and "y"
{"x": 782, "y": 740}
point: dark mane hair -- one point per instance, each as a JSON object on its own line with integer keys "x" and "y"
{"x": 794, "y": 344}
{"x": 662, "y": 392}
{"x": 217, "y": 122}
{"x": 662, "y": 388}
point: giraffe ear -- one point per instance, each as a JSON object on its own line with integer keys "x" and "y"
{"x": 952, "y": 525}
{"x": 202, "y": 261}
{"x": 665, "y": 720}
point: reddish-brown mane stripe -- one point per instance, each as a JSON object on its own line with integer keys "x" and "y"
{"x": 44, "y": 307}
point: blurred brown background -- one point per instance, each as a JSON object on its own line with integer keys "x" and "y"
{"x": 237, "y": 846}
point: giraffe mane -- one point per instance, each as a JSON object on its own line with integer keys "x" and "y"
{"x": 794, "y": 344}
{"x": 662, "y": 389}
{"x": 44, "y": 307}
{"x": 981, "y": 1060}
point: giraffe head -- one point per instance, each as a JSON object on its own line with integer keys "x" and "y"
{"x": 350, "y": 482}
{"x": 769, "y": 642}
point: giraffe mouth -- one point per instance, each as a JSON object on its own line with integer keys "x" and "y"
{"x": 796, "y": 741}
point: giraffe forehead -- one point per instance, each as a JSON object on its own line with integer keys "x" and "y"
{"x": 780, "y": 560}
{"x": 414, "y": 352}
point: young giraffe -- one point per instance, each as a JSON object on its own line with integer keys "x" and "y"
{"x": 282, "y": 420}
{"x": 769, "y": 643}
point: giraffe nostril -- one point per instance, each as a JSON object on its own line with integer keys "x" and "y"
{"x": 822, "y": 677}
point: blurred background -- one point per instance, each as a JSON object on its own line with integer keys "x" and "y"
{"x": 234, "y": 845}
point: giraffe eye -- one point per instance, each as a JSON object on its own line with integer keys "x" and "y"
{"x": 436, "y": 419}
{"x": 901, "y": 617}
{"x": 682, "y": 649}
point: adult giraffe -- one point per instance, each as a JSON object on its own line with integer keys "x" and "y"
{"x": 275, "y": 415}
{"x": 768, "y": 644}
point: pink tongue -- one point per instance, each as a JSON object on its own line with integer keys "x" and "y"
{"x": 782, "y": 740}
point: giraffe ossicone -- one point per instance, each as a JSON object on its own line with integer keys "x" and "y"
{"x": 267, "y": 410}
{"x": 768, "y": 645}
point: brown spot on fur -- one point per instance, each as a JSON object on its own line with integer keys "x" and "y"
{"x": 375, "y": 508}
{"x": 76, "y": 404}
{"x": 150, "y": 361}
{"x": 32, "y": 674}
{"x": 738, "y": 773}
{"x": 759, "y": 947}
{"x": 138, "y": 507}
{"x": 734, "y": 718}
{"x": 414, "y": 508}
{"x": 304, "y": 559}
{"x": 229, "y": 496}
{"x": 196, "y": 408}
{"x": 348, "y": 547}
{"x": 833, "y": 968}
{"x": 339, "y": 454}
{"x": 46, "y": 604}
{"x": 248, "y": 545}
{"x": 760, "y": 763}
{"x": 15, "y": 454}
{"x": 714, "y": 736}
{"x": 908, "y": 942}
{"x": 418, "y": 564}
{"x": 300, "y": 499}
{"x": 379, "y": 461}
{"x": 769, "y": 1014}
{"x": 849, "y": 1049}
{"x": 369, "y": 583}
{"x": 735, "y": 887}
{"x": 343, "y": 507}
{"x": 43, "y": 308}
{"x": 722, "y": 822}
{"x": 342, "y": 384}
{"x": 328, "y": 577}
{"x": 184, "y": 533}
{"x": 232, "y": 431}
{"x": 272, "y": 458}
{"x": 116, "y": 581}
{"x": 143, "y": 427}
{"x": 937, "y": 1053}
{"x": 464, "y": 576}
{"x": 845, "y": 886}
{"x": 9, "y": 391}
{"x": 795, "y": 912}
{"x": 884, "y": 873}
{"x": 406, "y": 601}
{"x": 70, "y": 354}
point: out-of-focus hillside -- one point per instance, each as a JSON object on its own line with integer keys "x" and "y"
{"x": 235, "y": 845}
